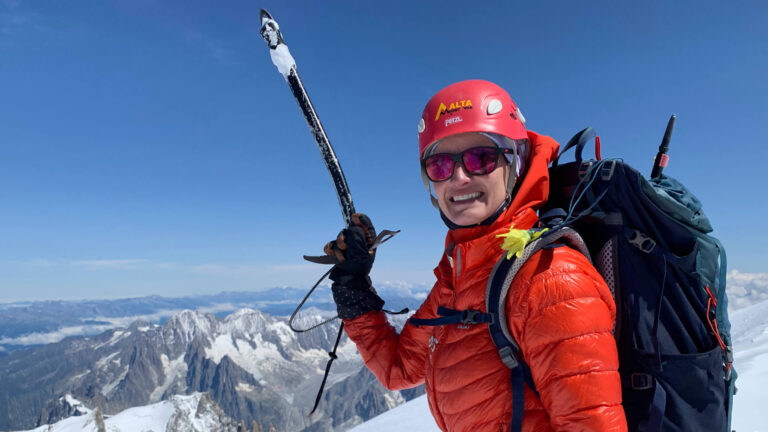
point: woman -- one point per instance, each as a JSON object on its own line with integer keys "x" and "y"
{"x": 486, "y": 174}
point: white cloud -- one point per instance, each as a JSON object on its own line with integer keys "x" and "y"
{"x": 212, "y": 269}
{"x": 292, "y": 267}
{"x": 226, "y": 269}
{"x": 746, "y": 289}
{"x": 103, "y": 264}
{"x": 55, "y": 336}
{"x": 112, "y": 263}
{"x": 106, "y": 323}
{"x": 250, "y": 270}
{"x": 405, "y": 289}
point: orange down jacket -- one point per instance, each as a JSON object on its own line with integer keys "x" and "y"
{"x": 559, "y": 310}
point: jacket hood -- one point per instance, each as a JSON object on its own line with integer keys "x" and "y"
{"x": 531, "y": 194}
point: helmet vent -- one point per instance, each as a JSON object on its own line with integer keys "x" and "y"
{"x": 520, "y": 115}
{"x": 422, "y": 125}
{"x": 494, "y": 107}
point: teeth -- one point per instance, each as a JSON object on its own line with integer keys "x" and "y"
{"x": 468, "y": 196}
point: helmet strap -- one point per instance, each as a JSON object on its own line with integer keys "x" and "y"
{"x": 512, "y": 180}
{"x": 428, "y": 185}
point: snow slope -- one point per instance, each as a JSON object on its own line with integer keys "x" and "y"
{"x": 193, "y": 413}
{"x": 749, "y": 326}
{"x": 413, "y": 416}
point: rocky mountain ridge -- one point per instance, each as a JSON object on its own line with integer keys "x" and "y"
{"x": 251, "y": 364}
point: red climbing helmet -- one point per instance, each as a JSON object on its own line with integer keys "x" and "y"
{"x": 470, "y": 106}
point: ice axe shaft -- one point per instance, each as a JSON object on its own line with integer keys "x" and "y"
{"x": 286, "y": 65}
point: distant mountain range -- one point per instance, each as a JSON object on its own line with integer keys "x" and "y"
{"x": 250, "y": 363}
{"x": 31, "y": 324}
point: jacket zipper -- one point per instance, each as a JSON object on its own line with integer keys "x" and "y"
{"x": 456, "y": 274}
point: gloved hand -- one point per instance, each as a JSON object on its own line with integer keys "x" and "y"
{"x": 352, "y": 289}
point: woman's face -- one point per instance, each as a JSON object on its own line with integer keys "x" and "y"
{"x": 466, "y": 199}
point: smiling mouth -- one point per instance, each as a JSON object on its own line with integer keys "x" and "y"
{"x": 466, "y": 197}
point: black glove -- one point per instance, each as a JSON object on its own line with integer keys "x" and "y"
{"x": 352, "y": 289}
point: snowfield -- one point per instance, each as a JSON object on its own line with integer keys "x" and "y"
{"x": 181, "y": 413}
{"x": 152, "y": 417}
{"x": 749, "y": 328}
{"x": 413, "y": 415}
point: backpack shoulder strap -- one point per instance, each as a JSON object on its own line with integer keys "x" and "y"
{"x": 497, "y": 289}
{"x": 579, "y": 141}
{"x": 505, "y": 271}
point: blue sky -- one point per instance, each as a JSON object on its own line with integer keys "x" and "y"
{"x": 152, "y": 147}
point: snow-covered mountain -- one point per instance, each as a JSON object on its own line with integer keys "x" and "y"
{"x": 750, "y": 330}
{"x": 255, "y": 368}
{"x": 193, "y": 413}
{"x": 750, "y": 341}
{"x": 250, "y": 363}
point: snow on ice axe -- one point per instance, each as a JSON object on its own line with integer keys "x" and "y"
{"x": 286, "y": 65}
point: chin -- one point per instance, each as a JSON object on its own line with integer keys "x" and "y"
{"x": 467, "y": 218}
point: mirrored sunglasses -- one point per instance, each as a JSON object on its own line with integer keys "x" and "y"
{"x": 476, "y": 161}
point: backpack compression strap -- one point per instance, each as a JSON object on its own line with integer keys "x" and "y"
{"x": 498, "y": 287}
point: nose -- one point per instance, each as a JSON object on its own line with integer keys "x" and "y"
{"x": 460, "y": 174}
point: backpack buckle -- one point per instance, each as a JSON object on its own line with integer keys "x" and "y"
{"x": 584, "y": 167}
{"x": 642, "y": 241}
{"x": 641, "y": 381}
{"x": 606, "y": 169}
{"x": 508, "y": 358}
{"x": 472, "y": 316}
{"x": 729, "y": 354}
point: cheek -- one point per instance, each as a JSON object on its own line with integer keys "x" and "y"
{"x": 498, "y": 183}
{"x": 439, "y": 190}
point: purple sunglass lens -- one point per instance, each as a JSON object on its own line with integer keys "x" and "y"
{"x": 439, "y": 167}
{"x": 480, "y": 160}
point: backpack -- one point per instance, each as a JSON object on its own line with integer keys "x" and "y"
{"x": 650, "y": 241}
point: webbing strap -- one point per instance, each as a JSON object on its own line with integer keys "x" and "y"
{"x": 452, "y": 316}
{"x": 518, "y": 400}
{"x": 657, "y": 409}
{"x": 579, "y": 141}
{"x": 333, "y": 357}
